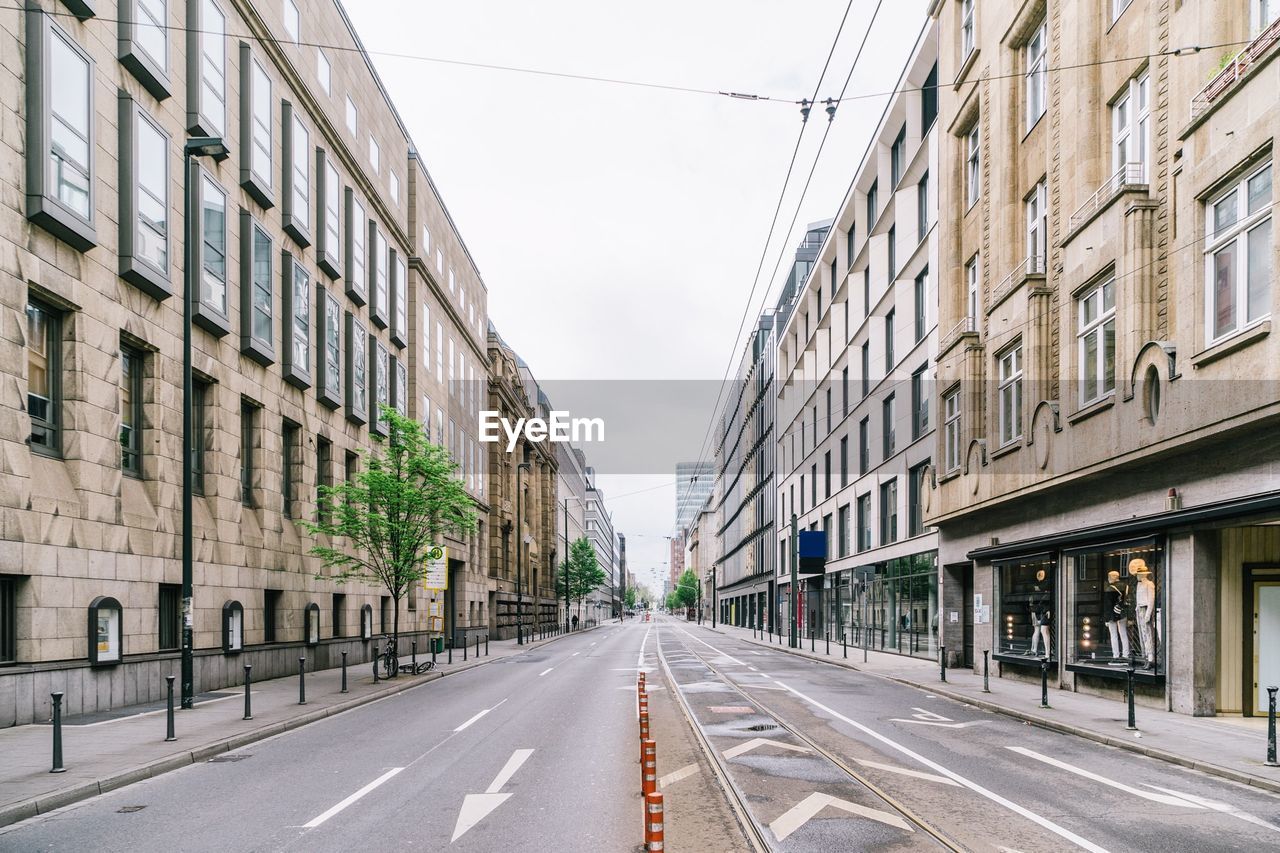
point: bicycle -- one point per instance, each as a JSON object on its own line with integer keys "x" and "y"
{"x": 388, "y": 660}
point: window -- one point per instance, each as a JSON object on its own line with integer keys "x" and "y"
{"x": 919, "y": 403}
{"x": 44, "y": 372}
{"x": 256, "y": 128}
{"x": 8, "y": 619}
{"x": 967, "y": 39}
{"x": 425, "y": 334}
{"x": 826, "y": 474}
{"x": 393, "y": 181}
{"x": 170, "y": 613}
{"x": 893, "y": 252}
{"x": 1116, "y": 606}
{"x": 248, "y": 416}
{"x": 210, "y": 311}
{"x": 297, "y": 317}
{"x": 844, "y": 461}
{"x": 232, "y": 627}
{"x": 324, "y": 467}
{"x": 973, "y": 159}
{"x": 329, "y": 235}
{"x": 322, "y": 70}
{"x": 864, "y": 445}
{"x": 144, "y": 44}
{"x": 897, "y": 157}
{"x": 866, "y": 288}
{"x": 256, "y": 300}
{"x": 929, "y": 100}
{"x": 1238, "y": 255}
{"x": 1009, "y": 371}
{"x": 1264, "y": 13}
{"x": 888, "y": 339}
{"x": 381, "y": 370}
{"x": 439, "y": 351}
{"x": 399, "y": 288}
{"x": 271, "y": 600}
{"x": 826, "y": 534}
{"x": 144, "y": 201}
{"x": 289, "y": 450}
{"x": 866, "y": 368}
{"x": 1131, "y": 132}
{"x": 1037, "y": 205}
{"x": 922, "y": 207}
{"x": 842, "y": 531}
{"x": 378, "y": 276}
{"x": 131, "y": 373}
{"x": 833, "y": 281}
{"x": 353, "y": 116}
{"x": 400, "y": 387}
{"x": 206, "y": 69}
{"x": 297, "y": 176}
{"x": 871, "y": 208}
{"x": 844, "y": 389}
{"x": 375, "y": 155}
{"x": 200, "y": 410}
{"x": 339, "y": 608}
{"x": 888, "y": 416}
{"x": 915, "y": 499}
{"x": 1026, "y": 608}
{"x": 920, "y": 306}
{"x": 864, "y": 522}
{"x": 1037, "y": 65}
{"x": 60, "y": 188}
{"x": 831, "y": 417}
{"x": 971, "y": 291}
{"x": 1118, "y": 7}
{"x": 329, "y": 336}
{"x": 889, "y": 512}
{"x": 291, "y": 19}
{"x": 813, "y": 484}
{"x": 850, "y": 248}
{"x": 357, "y": 235}
{"x": 1096, "y": 310}
{"x": 951, "y": 430}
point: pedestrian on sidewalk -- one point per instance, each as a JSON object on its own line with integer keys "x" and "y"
{"x": 575, "y": 622}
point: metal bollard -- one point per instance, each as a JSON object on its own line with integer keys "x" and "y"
{"x": 942, "y": 661}
{"x": 169, "y": 736}
{"x": 844, "y": 644}
{"x": 828, "y": 641}
{"x": 432, "y": 641}
{"x": 464, "y": 648}
{"x": 1271, "y": 726}
{"x": 302, "y": 681}
{"x": 344, "y": 673}
{"x": 486, "y": 643}
{"x": 1128, "y": 692}
{"x": 248, "y": 707}
{"x": 649, "y": 767}
{"x": 986, "y": 686}
{"x": 810, "y": 639}
{"x": 450, "y": 652}
{"x": 413, "y": 655}
{"x": 653, "y": 832}
{"x": 57, "y": 733}
{"x": 1044, "y": 682}
{"x": 477, "y": 646}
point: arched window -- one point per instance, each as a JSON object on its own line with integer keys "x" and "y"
{"x": 106, "y": 618}
{"x": 313, "y": 624}
{"x": 232, "y": 627}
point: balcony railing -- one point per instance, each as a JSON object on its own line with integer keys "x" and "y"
{"x": 967, "y": 326}
{"x": 1031, "y": 265}
{"x": 1237, "y": 68}
{"x": 1128, "y": 175}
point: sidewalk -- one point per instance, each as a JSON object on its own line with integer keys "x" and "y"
{"x": 102, "y": 752}
{"x": 1230, "y": 748}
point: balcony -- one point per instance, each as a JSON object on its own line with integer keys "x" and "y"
{"x": 967, "y": 326}
{"x": 1128, "y": 176}
{"x": 1032, "y": 265}
{"x": 1236, "y": 70}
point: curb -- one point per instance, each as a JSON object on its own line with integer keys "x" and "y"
{"x": 46, "y": 803}
{"x": 1217, "y": 770}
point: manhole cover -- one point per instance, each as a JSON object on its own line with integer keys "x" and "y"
{"x": 219, "y": 759}
{"x": 761, "y": 727}
{"x": 129, "y": 809}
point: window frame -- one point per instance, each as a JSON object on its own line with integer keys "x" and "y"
{"x": 352, "y": 116}
{"x": 357, "y": 250}
{"x": 379, "y": 276}
{"x": 1130, "y": 118}
{"x": 399, "y": 299}
{"x": 1036, "y": 206}
{"x": 248, "y": 422}
{"x": 292, "y": 20}
{"x": 295, "y": 148}
{"x": 328, "y": 348}
{"x": 919, "y": 402}
{"x": 862, "y": 521}
{"x": 1235, "y": 237}
{"x": 295, "y": 317}
{"x": 1086, "y": 329}
{"x": 920, "y": 313}
{"x": 150, "y": 70}
{"x": 209, "y": 315}
{"x": 329, "y": 204}
{"x": 9, "y": 618}
{"x": 873, "y": 203}
{"x": 356, "y": 381}
{"x": 897, "y": 156}
{"x": 324, "y": 71}
{"x": 890, "y": 354}
{"x": 888, "y": 425}
{"x": 168, "y": 617}
{"x": 889, "y": 511}
{"x": 201, "y": 117}
{"x": 922, "y": 206}
{"x": 952, "y": 437}
{"x": 254, "y": 78}
{"x": 132, "y": 377}
{"x": 261, "y": 350}
{"x": 290, "y": 467}
{"x": 135, "y": 267}
{"x": 1036, "y": 88}
{"x": 973, "y": 288}
{"x": 1009, "y": 376}
{"x": 968, "y": 29}
{"x": 973, "y": 165}
{"x": 864, "y": 445}
{"x": 380, "y": 361}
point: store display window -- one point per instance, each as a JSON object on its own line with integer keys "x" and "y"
{"x": 1027, "y": 596}
{"x": 1117, "y": 614}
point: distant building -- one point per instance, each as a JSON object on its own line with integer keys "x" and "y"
{"x": 694, "y": 481}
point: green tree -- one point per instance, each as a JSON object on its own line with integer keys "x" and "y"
{"x": 380, "y": 525}
{"x": 630, "y": 597}
{"x": 687, "y": 589}
{"x": 673, "y": 601}
{"x": 584, "y": 572}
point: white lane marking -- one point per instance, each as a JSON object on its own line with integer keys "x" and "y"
{"x": 762, "y": 687}
{"x": 800, "y": 814}
{"x": 1225, "y": 808}
{"x": 545, "y": 671}
{"x": 932, "y": 723}
{"x": 643, "y": 642}
{"x": 713, "y": 648}
{"x": 743, "y": 748}
{"x": 752, "y": 668}
{"x": 1063, "y": 832}
{"x": 593, "y": 644}
{"x": 676, "y": 775}
{"x": 518, "y": 758}
{"x": 1079, "y": 771}
{"x": 321, "y": 818}
{"x": 478, "y": 716}
{"x": 915, "y": 774}
{"x": 574, "y": 655}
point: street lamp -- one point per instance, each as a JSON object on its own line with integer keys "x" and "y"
{"x": 523, "y": 466}
{"x": 197, "y": 146}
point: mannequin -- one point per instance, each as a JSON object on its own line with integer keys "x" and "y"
{"x": 1115, "y": 614}
{"x": 1144, "y": 611}
{"x": 1041, "y": 614}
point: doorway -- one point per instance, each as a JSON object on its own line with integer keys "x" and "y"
{"x": 1265, "y": 659}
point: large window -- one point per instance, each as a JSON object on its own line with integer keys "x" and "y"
{"x": 1096, "y": 311}
{"x": 843, "y": 531}
{"x": 256, "y": 308}
{"x": 357, "y": 382}
{"x": 357, "y": 234}
{"x": 915, "y": 499}
{"x": 971, "y": 281}
{"x": 898, "y": 156}
{"x": 379, "y": 283}
{"x": 131, "y": 374}
{"x": 144, "y": 43}
{"x": 1037, "y": 206}
{"x": 44, "y": 378}
{"x": 1027, "y": 608}
{"x": 1116, "y": 606}
{"x": 290, "y": 448}
{"x": 864, "y": 522}
{"x": 144, "y": 201}
{"x": 381, "y": 375}
{"x": 920, "y": 305}
{"x": 1131, "y": 131}
{"x": 951, "y": 430}
{"x": 967, "y": 38}
{"x": 1239, "y": 262}
{"x": 973, "y": 165}
{"x": 919, "y": 403}
{"x": 1009, "y": 370}
{"x": 297, "y": 176}
{"x": 864, "y": 445}
{"x": 922, "y": 207}
{"x": 248, "y": 417}
{"x": 329, "y": 336}
{"x": 8, "y": 618}
{"x": 60, "y": 137}
{"x": 256, "y": 127}
{"x": 170, "y": 617}
{"x": 889, "y": 512}
{"x": 888, "y": 412}
{"x": 399, "y": 290}
{"x": 297, "y": 318}
{"x": 206, "y": 68}
{"x": 210, "y": 310}
{"x": 1037, "y": 73}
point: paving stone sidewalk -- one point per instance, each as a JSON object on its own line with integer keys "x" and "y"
{"x": 102, "y": 752}
{"x": 1228, "y": 747}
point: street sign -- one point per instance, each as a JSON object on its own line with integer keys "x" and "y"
{"x": 812, "y": 550}
{"x": 437, "y": 573}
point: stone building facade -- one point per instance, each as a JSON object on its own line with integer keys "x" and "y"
{"x": 1107, "y": 455}
{"x": 314, "y": 268}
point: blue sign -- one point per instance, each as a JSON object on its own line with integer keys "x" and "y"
{"x": 813, "y": 543}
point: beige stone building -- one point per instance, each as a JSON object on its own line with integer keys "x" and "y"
{"x": 1108, "y": 452}
{"x": 328, "y": 279}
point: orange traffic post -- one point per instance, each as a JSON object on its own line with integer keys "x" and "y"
{"x": 649, "y": 768}
{"x": 644, "y": 734}
{"x": 653, "y": 833}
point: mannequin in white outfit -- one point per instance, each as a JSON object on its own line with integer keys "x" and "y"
{"x": 1115, "y": 614}
{"x": 1041, "y": 615}
{"x": 1144, "y": 608}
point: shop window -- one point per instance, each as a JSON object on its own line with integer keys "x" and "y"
{"x": 1116, "y": 595}
{"x": 1026, "y": 595}
{"x": 106, "y": 620}
{"x": 232, "y": 627}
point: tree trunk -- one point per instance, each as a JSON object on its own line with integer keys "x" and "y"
{"x": 395, "y": 624}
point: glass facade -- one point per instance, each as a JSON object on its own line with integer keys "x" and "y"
{"x": 1026, "y": 593}
{"x": 1116, "y": 608}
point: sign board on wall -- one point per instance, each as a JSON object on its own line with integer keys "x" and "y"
{"x": 437, "y": 571}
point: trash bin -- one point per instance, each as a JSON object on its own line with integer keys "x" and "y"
{"x": 437, "y": 645}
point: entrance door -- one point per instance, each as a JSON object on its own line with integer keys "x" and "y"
{"x": 1266, "y": 642}
{"x": 966, "y": 575}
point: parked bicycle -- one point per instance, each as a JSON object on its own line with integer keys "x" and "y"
{"x": 387, "y": 664}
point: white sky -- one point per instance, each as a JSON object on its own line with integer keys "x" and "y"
{"x": 618, "y": 229}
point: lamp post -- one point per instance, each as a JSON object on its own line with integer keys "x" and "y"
{"x": 523, "y": 466}
{"x": 197, "y": 146}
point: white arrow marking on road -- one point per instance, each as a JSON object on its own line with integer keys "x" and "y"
{"x": 1225, "y": 808}
{"x": 801, "y": 813}
{"x": 915, "y": 774}
{"x": 932, "y": 723}
{"x": 1147, "y": 795}
{"x": 922, "y": 714}
{"x": 476, "y": 807}
{"x": 319, "y": 819}
{"x": 744, "y": 748}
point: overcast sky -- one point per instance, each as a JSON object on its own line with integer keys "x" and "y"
{"x": 618, "y": 228}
